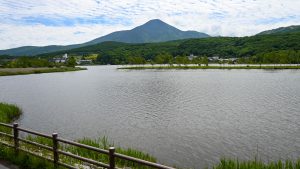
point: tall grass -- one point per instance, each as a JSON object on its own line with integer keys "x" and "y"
{"x": 40, "y": 70}
{"x": 9, "y": 112}
{"x": 23, "y": 160}
{"x": 209, "y": 67}
{"x": 102, "y": 143}
{"x": 257, "y": 164}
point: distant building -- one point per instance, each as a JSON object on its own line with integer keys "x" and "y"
{"x": 65, "y": 56}
{"x": 191, "y": 57}
{"x": 63, "y": 59}
{"x": 214, "y": 58}
{"x": 85, "y": 62}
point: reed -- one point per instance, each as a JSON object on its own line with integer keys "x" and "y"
{"x": 257, "y": 164}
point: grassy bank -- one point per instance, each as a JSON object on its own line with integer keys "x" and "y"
{"x": 257, "y": 164}
{"x": 209, "y": 67}
{"x": 9, "y": 112}
{"x": 25, "y": 71}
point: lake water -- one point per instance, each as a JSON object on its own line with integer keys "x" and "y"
{"x": 187, "y": 118}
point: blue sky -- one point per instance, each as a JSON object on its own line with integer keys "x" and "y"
{"x": 48, "y": 22}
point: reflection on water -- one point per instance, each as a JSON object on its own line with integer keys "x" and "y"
{"x": 187, "y": 118}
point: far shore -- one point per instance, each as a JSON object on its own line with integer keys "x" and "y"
{"x": 26, "y": 71}
{"x": 212, "y": 66}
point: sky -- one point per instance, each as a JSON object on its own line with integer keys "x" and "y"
{"x": 64, "y": 22}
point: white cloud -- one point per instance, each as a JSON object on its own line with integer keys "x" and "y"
{"x": 48, "y": 22}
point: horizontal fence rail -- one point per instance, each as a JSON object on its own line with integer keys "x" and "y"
{"x": 56, "y": 152}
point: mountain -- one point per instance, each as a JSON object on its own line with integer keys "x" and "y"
{"x": 152, "y": 31}
{"x": 290, "y": 29}
{"x": 34, "y": 50}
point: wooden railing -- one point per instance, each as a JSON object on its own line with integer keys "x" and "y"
{"x": 112, "y": 155}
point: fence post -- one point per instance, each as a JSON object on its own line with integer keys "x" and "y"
{"x": 111, "y": 157}
{"x": 16, "y": 137}
{"x": 55, "y": 148}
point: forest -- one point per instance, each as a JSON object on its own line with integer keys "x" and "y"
{"x": 262, "y": 49}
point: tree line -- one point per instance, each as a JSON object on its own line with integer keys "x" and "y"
{"x": 33, "y": 62}
{"x": 278, "y": 48}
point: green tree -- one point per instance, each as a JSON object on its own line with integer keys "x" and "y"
{"x": 205, "y": 60}
{"x": 163, "y": 58}
{"x": 71, "y": 62}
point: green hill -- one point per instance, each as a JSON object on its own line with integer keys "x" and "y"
{"x": 224, "y": 47}
{"x": 290, "y": 29}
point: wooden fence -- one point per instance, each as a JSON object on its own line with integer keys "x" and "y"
{"x": 112, "y": 155}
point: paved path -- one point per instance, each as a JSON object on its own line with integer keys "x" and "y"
{"x": 3, "y": 167}
{"x": 6, "y": 165}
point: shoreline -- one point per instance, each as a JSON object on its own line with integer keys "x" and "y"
{"x": 270, "y": 67}
{"x": 27, "y": 71}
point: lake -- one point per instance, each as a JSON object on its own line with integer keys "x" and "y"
{"x": 187, "y": 118}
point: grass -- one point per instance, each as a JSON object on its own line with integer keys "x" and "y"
{"x": 257, "y": 164}
{"x": 210, "y": 67}
{"x": 26, "y": 71}
{"x": 9, "y": 112}
{"x": 23, "y": 160}
{"x": 102, "y": 143}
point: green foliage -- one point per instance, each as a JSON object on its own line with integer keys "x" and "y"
{"x": 25, "y": 71}
{"x": 256, "y": 164}
{"x": 259, "y": 48}
{"x": 71, "y": 62}
{"x": 279, "y": 57}
{"x": 103, "y": 143}
{"x": 9, "y": 112}
{"x": 163, "y": 58}
{"x": 181, "y": 60}
{"x": 289, "y": 29}
{"x": 24, "y": 62}
{"x": 228, "y": 67}
{"x": 136, "y": 60}
{"x": 24, "y": 160}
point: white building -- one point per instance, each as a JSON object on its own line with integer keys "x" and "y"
{"x": 192, "y": 56}
{"x": 63, "y": 59}
{"x": 65, "y": 56}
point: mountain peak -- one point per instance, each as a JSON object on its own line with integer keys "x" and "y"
{"x": 155, "y": 21}
{"x": 155, "y": 24}
{"x": 154, "y": 30}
